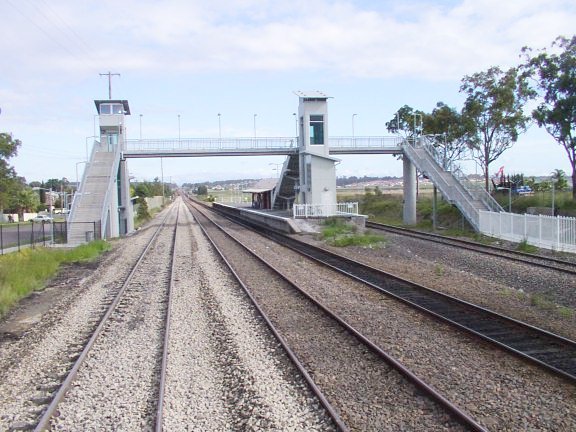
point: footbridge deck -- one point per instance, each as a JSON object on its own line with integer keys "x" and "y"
{"x": 202, "y": 147}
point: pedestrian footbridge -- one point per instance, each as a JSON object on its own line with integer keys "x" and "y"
{"x": 308, "y": 174}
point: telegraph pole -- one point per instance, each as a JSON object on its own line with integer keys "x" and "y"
{"x": 109, "y": 75}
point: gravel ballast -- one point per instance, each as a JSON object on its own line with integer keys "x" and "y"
{"x": 500, "y": 390}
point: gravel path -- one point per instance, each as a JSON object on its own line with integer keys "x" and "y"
{"x": 501, "y": 391}
{"x": 225, "y": 369}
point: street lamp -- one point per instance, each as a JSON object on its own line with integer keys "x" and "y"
{"x": 77, "y": 178}
{"x": 51, "y": 213}
{"x": 140, "y": 127}
{"x": 220, "y": 130}
{"x": 87, "y": 138}
{"x": 296, "y": 124}
{"x": 415, "y": 123}
{"x": 353, "y": 115}
{"x": 277, "y": 168}
{"x": 255, "y": 125}
{"x": 178, "y": 127}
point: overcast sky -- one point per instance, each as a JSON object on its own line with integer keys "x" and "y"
{"x": 197, "y": 58}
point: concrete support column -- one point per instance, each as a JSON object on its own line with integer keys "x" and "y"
{"x": 409, "y": 177}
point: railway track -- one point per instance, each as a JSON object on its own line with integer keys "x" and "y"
{"x": 548, "y": 263}
{"x": 134, "y": 374}
{"x": 550, "y": 351}
{"x": 356, "y": 364}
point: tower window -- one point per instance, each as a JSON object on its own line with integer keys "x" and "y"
{"x": 111, "y": 109}
{"x": 316, "y": 129}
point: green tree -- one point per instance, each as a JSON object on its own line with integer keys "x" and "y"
{"x": 202, "y": 190}
{"x": 449, "y": 132}
{"x": 494, "y": 107}
{"x": 555, "y": 77}
{"x": 8, "y": 180}
{"x": 406, "y": 122}
{"x": 24, "y": 200}
{"x": 143, "y": 213}
{"x": 559, "y": 178}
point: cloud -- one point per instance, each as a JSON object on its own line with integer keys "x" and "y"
{"x": 437, "y": 41}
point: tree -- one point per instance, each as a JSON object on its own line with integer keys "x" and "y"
{"x": 24, "y": 200}
{"x": 494, "y": 107}
{"x": 555, "y": 77}
{"x": 449, "y": 131}
{"x": 142, "y": 213}
{"x": 8, "y": 180}
{"x": 202, "y": 190}
{"x": 406, "y": 122}
{"x": 559, "y": 178}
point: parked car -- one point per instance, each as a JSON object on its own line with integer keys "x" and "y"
{"x": 42, "y": 218}
{"x": 524, "y": 190}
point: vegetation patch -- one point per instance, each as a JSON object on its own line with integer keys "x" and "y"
{"x": 27, "y": 271}
{"x": 524, "y": 246}
{"x": 338, "y": 233}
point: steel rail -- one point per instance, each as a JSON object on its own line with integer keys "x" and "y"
{"x": 548, "y": 350}
{"x": 44, "y": 421}
{"x": 517, "y": 256}
{"x": 167, "y": 325}
{"x": 312, "y": 385}
{"x": 460, "y": 415}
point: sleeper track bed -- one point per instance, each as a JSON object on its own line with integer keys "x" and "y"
{"x": 295, "y": 300}
{"x": 552, "y": 352}
{"x": 544, "y": 262}
{"x": 117, "y": 311}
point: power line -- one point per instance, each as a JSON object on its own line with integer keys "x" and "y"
{"x": 77, "y": 37}
{"x": 45, "y": 32}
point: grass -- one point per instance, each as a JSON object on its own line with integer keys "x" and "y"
{"x": 28, "y": 270}
{"x": 524, "y": 246}
{"x": 338, "y": 233}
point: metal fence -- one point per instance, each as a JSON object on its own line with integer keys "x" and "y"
{"x": 16, "y": 236}
{"x": 325, "y": 210}
{"x": 549, "y": 232}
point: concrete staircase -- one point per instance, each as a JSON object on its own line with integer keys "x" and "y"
{"x": 451, "y": 182}
{"x": 284, "y": 194}
{"x": 88, "y": 217}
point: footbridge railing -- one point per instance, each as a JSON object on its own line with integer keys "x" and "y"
{"x": 210, "y": 146}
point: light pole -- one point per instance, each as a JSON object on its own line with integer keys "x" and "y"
{"x": 178, "y": 127}
{"x": 140, "y": 127}
{"x": 77, "y": 178}
{"x": 296, "y": 124}
{"x": 277, "y": 168}
{"x": 87, "y": 138}
{"x": 255, "y": 125}
{"x": 353, "y": 115}
{"x": 415, "y": 123}
{"x": 162, "y": 175}
{"x": 51, "y": 213}
{"x": 220, "y": 129}
{"x": 553, "y": 198}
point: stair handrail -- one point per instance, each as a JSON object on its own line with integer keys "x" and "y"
{"x": 475, "y": 190}
{"x": 280, "y": 179}
{"x": 105, "y": 206}
{"x": 77, "y": 198}
{"x": 452, "y": 191}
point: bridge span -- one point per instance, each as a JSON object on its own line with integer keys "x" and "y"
{"x": 264, "y": 146}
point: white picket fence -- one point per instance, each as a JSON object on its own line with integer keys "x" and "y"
{"x": 549, "y": 232}
{"x": 325, "y": 210}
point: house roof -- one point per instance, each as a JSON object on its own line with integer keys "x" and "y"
{"x": 263, "y": 185}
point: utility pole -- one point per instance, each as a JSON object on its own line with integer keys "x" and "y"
{"x": 109, "y": 75}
